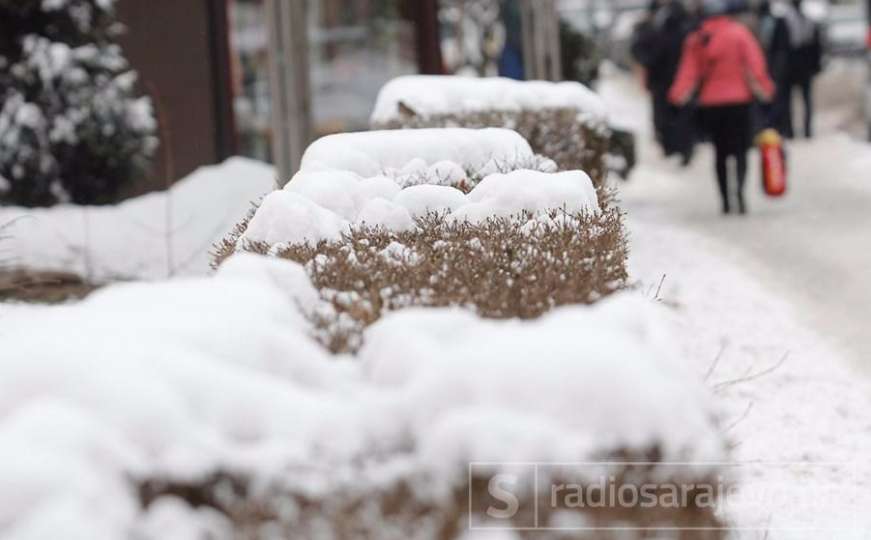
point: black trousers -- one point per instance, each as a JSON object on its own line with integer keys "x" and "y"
{"x": 673, "y": 126}
{"x": 730, "y": 129}
{"x": 805, "y": 88}
{"x": 778, "y": 113}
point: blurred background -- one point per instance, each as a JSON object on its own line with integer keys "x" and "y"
{"x": 207, "y": 65}
{"x": 183, "y": 85}
{"x": 259, "y": 77}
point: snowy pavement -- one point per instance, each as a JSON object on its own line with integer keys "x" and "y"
{"x": 809, "y": 247}
{"x": 779, "y": 298}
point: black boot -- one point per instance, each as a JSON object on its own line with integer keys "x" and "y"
{"x": 686, "y": 158}
{"x": 742, "y": 205}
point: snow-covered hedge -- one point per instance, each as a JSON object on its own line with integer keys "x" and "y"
{"x": 446, "y": 229}
{"x": 72, "y": 126}
{"x": 437, "y": 155}
{"x": 202, "y": 405}
{"x": 566, "y": 121}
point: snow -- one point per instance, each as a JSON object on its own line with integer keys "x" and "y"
{"x": 780, "y": 284}
{"x": 453, "y": 371}
{"x": 140, "y": 115}
{"x": 380, "y": 212}
{"x": 171, "y": 518}
{"x": 504, "y": 194}
{"x": 140, "y": 378}
{"x": 399, "y": 253}
{"x": 195, "y": 374}
{"x": 421, "y": 200}
{"x": 192, "y": 375}
{"x": 446, "y": 171}
{"x": 429, "y": 95}
{"x": 133, "y": 240}
{"x": 286, "y": 217}
{"x": 389, "y": 178}
{"x": 323, "y": 205}
{"x": 804, "y": 427}
{"x": 29, "y": 115}
{"x": 334, "y": 190}
{"x": 371, "y": 153}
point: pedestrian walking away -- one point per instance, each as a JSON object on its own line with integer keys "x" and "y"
{"x": 773, "y": 33}
{"x": 657, "y": 47}
{"x": 724, "y": 69}
{"x": 805, "y": 63}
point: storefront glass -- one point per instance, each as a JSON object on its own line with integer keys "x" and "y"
{"x": 355, "y": 47}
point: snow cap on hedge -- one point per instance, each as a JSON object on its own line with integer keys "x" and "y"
{"x": 324, "y": 205}
{"x": 371, "y": 153}
{"x": 427, "y": 95}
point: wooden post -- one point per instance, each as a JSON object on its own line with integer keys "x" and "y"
{"x": 426, "y": 23}
{"x": 541, "y": 41}
{"x": 225, "y": 125}
{"x": 289, "y": 84}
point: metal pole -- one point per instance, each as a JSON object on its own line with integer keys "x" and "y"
{"x": 554, "y": 43}
{"x": 868, "y": 63}
{"x": 541, "y": 42}
{"x": 526, "y": 23}
{"x": 289, "y": 84}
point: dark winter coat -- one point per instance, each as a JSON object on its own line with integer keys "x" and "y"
{"x": 658, "y": 45}
{"x": 806, "y": 46}
{"x": 774, "y": 37}
{"x": 806, "y": 60}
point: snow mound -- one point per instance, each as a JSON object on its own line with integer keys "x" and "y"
{"x": 177, "y": 378}
{"x": 185, "y": 378}
{"x": 576, "y": 383}
{"x": 323, "y": 205}
{"x": 372, "y": 153}
{"x": 134, "y": 240}
{"x": 503, "y": 195}
{"x": 389, "y": 178}
{"x": 427, "y": 95}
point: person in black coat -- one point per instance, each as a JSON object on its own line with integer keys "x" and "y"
{"x": 773, "y": 33}
{"x": 805, "y": 63}
{"x": 657, "y": 46}
{"x": 645, "y": 51}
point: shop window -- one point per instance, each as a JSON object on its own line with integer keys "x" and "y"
{"x": 355, "y": 47}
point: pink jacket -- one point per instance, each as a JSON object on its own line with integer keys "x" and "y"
{"x": 724, "y": 58}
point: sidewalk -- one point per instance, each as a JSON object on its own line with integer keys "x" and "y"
{"x": 771, "y": 307}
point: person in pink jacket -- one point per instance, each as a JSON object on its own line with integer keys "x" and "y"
{"x": 723, "y": 68}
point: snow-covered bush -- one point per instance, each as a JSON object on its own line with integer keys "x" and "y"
{"x": 454, "y": 157}
{"x": 510, "y": 267}
{"x": 72, "y": 127}
{"x": 440, "y": 389}
{"x": 566, "y": 122}
{"x": 203, "y": 405}
{"x": 435, "y": 232}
